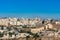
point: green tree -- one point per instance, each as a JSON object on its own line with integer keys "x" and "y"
{"x": 43, "y": 22}
{"x": 2, "y": 27}
{"x": 36, "y": 36}
{"x": 27, "y": 37}
{"x": 1, "y": 34}
{"x": 10, "y": 34}
{"x": 25, "y": 26}
{"x": 30, "y": 33}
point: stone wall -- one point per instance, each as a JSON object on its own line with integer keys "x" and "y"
{"x": 43, "y": 38}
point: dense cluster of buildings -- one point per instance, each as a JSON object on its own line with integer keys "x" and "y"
{"x": 28, "y": 27}
{"x": 16, "y": 21}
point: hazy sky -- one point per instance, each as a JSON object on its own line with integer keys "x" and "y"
{"x": 30, "y": 8}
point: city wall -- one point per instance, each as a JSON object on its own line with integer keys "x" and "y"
{"x": 39, "y": 38}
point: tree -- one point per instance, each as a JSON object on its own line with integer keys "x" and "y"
{"x": 25, "y": 26}
{"x": 2, "y": 27}
{"x": 10, "y": 34}
{"x": 36, "y": 36}
{"x": 1, "y": 34}
{"x": 43, "y": 22}
{"x": 9, "y": 28}
{"x": 27, "y": 37}
{"x": 22, "y": 31}
{"x": 30, "y": 33}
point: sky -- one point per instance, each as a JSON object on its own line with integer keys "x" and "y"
{"x": 30, "y": 8}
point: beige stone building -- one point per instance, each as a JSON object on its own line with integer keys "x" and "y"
{"x": 4, "y": 22}
{"x": 49, "y": 26}
{"x": 37, "y": 30}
